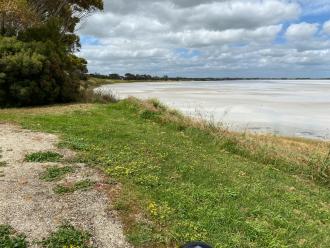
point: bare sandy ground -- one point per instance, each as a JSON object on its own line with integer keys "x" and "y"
{"x": 30, "y": 206}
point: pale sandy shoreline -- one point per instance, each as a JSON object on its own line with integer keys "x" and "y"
{"x": 298, "y": 108}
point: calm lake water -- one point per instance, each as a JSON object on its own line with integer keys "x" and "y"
{"x": 285, "y": 107}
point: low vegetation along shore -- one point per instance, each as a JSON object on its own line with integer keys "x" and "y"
{"x": 176, "y": 179}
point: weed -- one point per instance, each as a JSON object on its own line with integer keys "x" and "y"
{"x": 3, "y": 163}
{"x": 148, "y": 114}
{"x": 157, "y": 104}
{"x": 321, "y": 168}
{"x": 55, "y": 173}
{"x": 96, "y": 96}
{"x": 43, "y": 157}
{"x": 81, "y": 185}
{"x": 9, "y": 238}
{"x": 61, "y": 189}
{"x": 67, "y": 236}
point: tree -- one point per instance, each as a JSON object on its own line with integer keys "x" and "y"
{"x": 36, "y": 73}
{"x": 114, "y": 76}
{"x": 70, "y": 12}
{"x": 15, "y": 16}
{"x": 38, "y": 65}
{"x": 129, "y": 76}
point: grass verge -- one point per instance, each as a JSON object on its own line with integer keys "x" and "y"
{"x": 186, "y": 180}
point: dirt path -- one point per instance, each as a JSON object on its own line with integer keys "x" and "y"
{"x": 29, "y": 204}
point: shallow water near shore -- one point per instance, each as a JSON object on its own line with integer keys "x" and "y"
{"x": 299, "y": 108}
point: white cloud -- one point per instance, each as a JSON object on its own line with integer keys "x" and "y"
{"x": 326, "y": 27}
{"x": 210, "y": 15}
{"x": 302, "y": 31}
{"x": 204, "y": 37}
{"x": 220, "y": 37}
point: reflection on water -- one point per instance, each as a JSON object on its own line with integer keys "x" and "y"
{"x": 285, "y": 107}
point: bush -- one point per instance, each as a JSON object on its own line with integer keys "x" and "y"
{"x": 37, "y": 73}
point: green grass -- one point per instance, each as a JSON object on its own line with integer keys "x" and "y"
{"x": 67, "y": 236}
{"x": 62, "y": 189}
{"x": 3, "y": 164}
{"x": 40, "y": 157}
{"x": 9, "y": 238}
{"x": 55, "y": 173}
{"x": 82, "y": 185}
{"x": 190, "y": 181}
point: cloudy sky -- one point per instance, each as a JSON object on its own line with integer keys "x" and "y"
{"x": 220, "y": 38}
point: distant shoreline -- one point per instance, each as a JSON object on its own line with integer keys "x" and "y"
{"x": 147, "y": 78}
{"x": 94, "y": 82}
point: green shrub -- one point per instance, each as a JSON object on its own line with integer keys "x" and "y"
{"x": 37, "y": 73}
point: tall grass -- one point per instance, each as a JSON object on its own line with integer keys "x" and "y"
{"x": 308, "y": 157}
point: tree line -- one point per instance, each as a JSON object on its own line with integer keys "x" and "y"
{"x": 37, "y": 45}
{"x": 147, "y": 77}
{"x": 128, "y": 76}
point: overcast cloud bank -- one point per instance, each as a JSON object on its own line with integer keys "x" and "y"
{"x": 265, "y": 38}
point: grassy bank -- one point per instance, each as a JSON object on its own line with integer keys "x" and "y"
{"x": 93, "y": 82}
{"x": 176, "y": 180}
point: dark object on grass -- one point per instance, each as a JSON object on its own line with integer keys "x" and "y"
{"x": 196, "y": 245}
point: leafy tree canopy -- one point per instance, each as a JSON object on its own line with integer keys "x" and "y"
{"x": 17, "y": 15}
{"x": 70, "y": 12}
{"x": 37, "y": 44}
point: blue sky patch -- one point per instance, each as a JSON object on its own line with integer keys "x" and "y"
{"x": 89, "y": 40}
{"x": 187, "y": 53}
